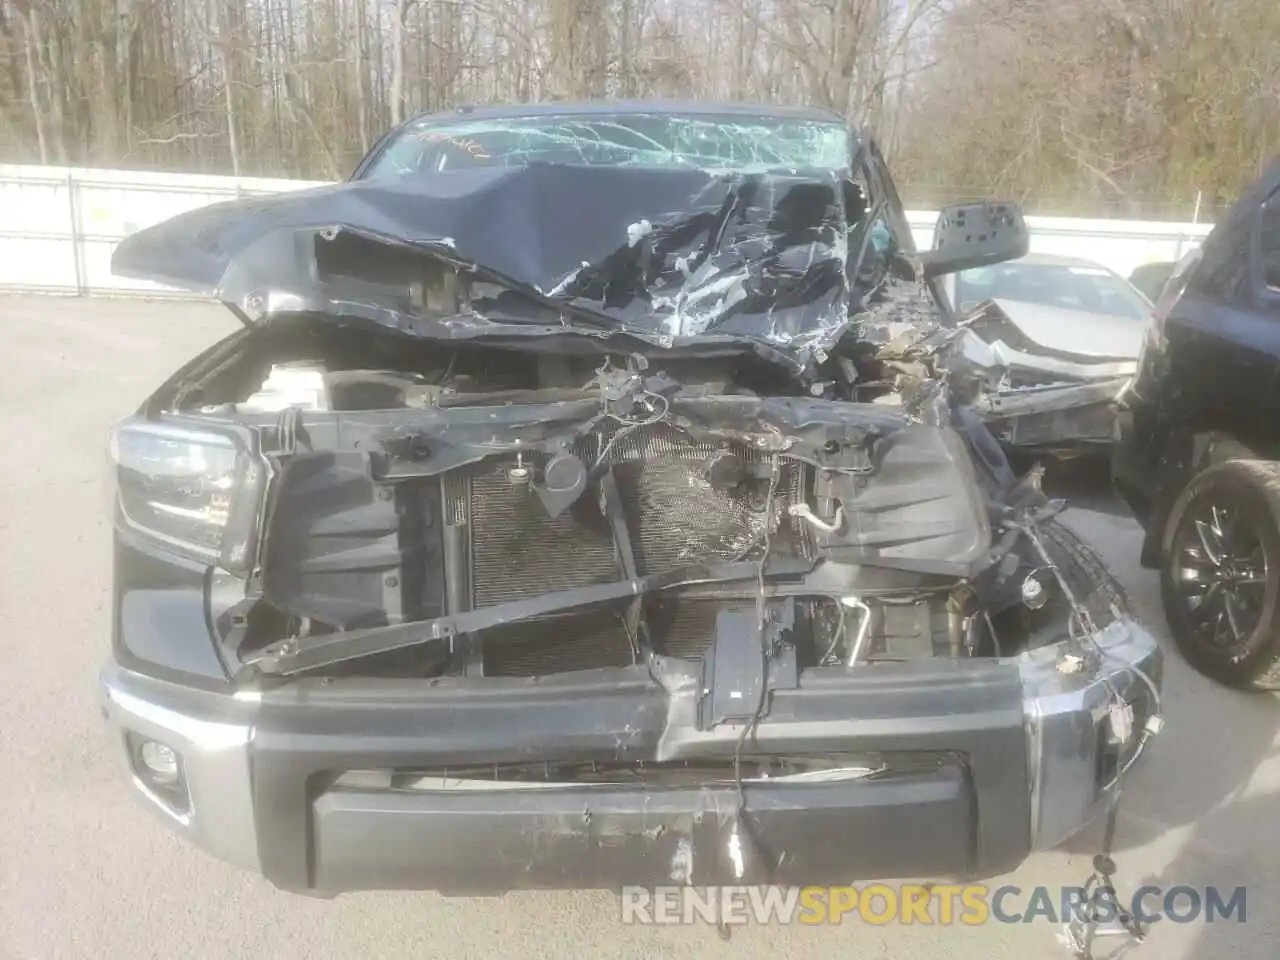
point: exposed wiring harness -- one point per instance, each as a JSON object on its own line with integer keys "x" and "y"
{"x": 1085, "y": 926}
{"x": 631, "y": 425}
{"x": 836, "y": 637}
{"x": 1084, "y": 631}
{"x": 741, "y": 838}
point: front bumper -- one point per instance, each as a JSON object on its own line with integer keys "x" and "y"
{"x": 1060, "y": 419}
{"x": 1016, "y": 759}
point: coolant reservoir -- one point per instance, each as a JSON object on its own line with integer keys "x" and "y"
{"x": 299, "y": 385}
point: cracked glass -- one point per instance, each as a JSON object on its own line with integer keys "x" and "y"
{"x": 704, "y": 142}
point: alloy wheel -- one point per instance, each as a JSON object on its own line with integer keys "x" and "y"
{"x": 1220, "y": 569}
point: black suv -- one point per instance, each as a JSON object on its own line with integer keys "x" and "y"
{"x": 1197, "y": 445}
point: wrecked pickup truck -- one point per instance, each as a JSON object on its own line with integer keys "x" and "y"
{"x": 551, "y": 524}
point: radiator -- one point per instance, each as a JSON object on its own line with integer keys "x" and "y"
{"x": 673, "y": 514}
{"x": 674, "y": 517}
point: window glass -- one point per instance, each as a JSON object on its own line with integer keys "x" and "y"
{"x": 1072, "y": 287}
{"x": 1271, "y": 243}
{"x": 740, "y": 143}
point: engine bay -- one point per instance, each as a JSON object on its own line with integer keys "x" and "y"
{"x": 547, "y": 512}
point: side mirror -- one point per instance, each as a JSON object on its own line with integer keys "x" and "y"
{"x": 969, "y": 235}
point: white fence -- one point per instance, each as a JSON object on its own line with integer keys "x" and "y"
{"x": 58, "y": 226}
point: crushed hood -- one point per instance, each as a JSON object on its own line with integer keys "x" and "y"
{"x": 1075, "y": 332}
{"x": 665, "y": 255}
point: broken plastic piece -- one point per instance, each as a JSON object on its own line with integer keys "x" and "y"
{"x": 1070, "y": 663}
{"x": 1120, "y": 717}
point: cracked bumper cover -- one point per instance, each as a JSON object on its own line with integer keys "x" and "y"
{"x": 1018, "y": 746}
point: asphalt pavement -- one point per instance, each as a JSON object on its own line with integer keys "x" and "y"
{"x": 85, "y": 872}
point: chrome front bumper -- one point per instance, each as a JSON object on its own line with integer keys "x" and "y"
{"x": 213, "y": 735}
{"x": 1067, "y": 716}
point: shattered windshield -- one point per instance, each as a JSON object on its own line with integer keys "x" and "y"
{"x": 697, "y": 141}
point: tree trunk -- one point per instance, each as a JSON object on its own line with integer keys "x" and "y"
{"x": 31, "y": 33}
{"x": 398, "y": 24}
{"x": 55, "y": 73}
{"x": 362, "y": 81}
{"x": 226, "y": 47}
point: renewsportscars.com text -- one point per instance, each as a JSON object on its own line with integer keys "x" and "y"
{"x": 935, "y": 904}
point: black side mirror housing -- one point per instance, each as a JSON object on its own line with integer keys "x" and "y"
{"x": 969, "y": 235}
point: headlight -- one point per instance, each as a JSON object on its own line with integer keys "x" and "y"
{"x": 196, "y": 490}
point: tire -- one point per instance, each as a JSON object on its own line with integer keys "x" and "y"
{"x": 1091, "y": 581}
{"x": 1220, "y": 573}
{"x": 1218, "y": 448}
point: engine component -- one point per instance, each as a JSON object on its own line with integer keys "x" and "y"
{"x": 310, "y": 386}
{"x": 1034, "y": 594}
{"x": 673, "y": 514}
{"x": 563, "y": 480}
{"x": 290, "y": 385}
{"x": 750, "y": 658}
{"x": 804, "y": 512}
{"x": 519, "y": 473}
{"x": 725, "y": 471}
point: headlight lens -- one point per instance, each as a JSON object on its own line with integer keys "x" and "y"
{"x": 196, "y": 490}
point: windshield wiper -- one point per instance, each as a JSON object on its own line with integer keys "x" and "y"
{"x": 295, "y": 655}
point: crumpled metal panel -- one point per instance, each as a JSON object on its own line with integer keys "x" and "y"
{"x": 667, "y": 255}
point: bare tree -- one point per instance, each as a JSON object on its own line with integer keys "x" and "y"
{"x": 1125, "y": 105}
{"x": 399, "y": 22}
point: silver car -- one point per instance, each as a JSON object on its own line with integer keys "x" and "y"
{"x": 1052, "y": 341}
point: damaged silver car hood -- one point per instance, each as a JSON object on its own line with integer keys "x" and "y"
{"x": 1076, "y": 332}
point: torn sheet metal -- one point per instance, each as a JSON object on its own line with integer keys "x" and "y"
{"x": 1065, "y": 432}
{"x": 1078, "y": 333}
{"x": 1049, "y": 377}
{"x": 999, "y": 357}
{"x": 1051, "y": 398}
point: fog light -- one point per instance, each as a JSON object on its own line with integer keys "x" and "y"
{"x": 1034, "y": 595}
{"x": 161, "y": 762}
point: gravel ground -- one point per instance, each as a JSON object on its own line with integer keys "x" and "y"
{"x": 85, "y": 872}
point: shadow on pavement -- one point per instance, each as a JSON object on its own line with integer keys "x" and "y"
{"x": 1210, "y": 779}
{"x": 1230, "y": 847}
{"x": 1086, "y": 484}
{"x": 1212, "y": 745}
